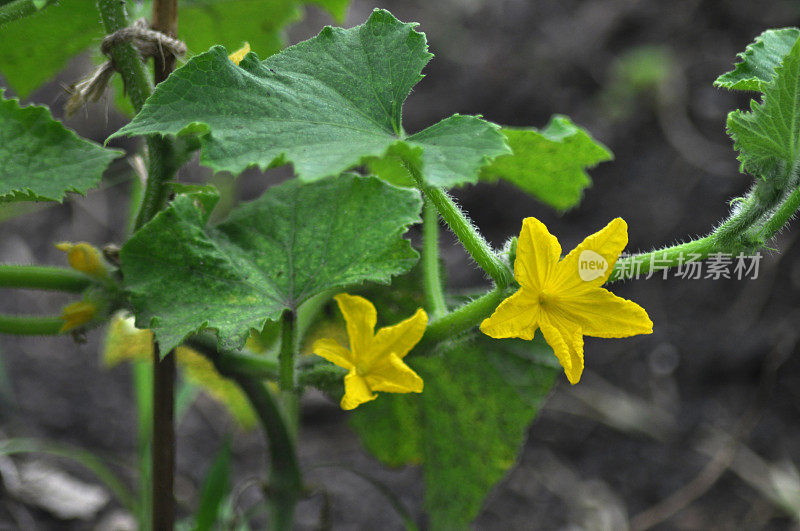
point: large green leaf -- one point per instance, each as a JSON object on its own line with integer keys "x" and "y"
{"x": 325, "y": 105}
{"x": 36, "y": 47}
{"x": 294, "y": 242}
{"x": 467, "y": 426}
{"x": 759, "y": 60}
{"x": 768, "y": 137}
{"x": 549, "y": 164}
{"x": 42, "y": 160}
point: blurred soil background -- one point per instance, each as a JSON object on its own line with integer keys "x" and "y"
{"x": 703, "y": 413}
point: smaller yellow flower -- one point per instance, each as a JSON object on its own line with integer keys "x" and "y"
{"x": 564, "y": 297}
{"x": 375, "y": 360}
{"x": 77, "y": 314}
{"x": 239, "y": 54}
{"x": 85, "y": 258}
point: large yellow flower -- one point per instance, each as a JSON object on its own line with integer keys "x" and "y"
{"x": 564, "y": 297}
{"x": 375, "y": 360}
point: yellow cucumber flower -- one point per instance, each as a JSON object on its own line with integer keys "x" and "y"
{"x": 85, "y": 258}
{"x": 239, "y": 54}
{"x": 77, "y": 314}
{"x": 375, "y": 360}
{"x": 564, "y": 297}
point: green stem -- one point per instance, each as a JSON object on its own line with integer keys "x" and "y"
{"x": 462, "y": 319}
{"x": 745, "y": 230}
{"x": 21, "y": 8}
{"x": 432, "y": 282}
{"x": 781, "y": 216}
{"x": 286, "y": 356}
{"x": 658, "y": 260}
{"x": 24, "y": 325}
{"x": 163, "y": 163}
{"x": 43, "y": 277}
{"x": 462, "y": 227}
{"x": 285, "y": 480}
{"x": 231, "y": 362}
{"x": 127, "y": 60}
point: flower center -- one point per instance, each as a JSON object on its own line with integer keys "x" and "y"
{"x": 545, "y": 298}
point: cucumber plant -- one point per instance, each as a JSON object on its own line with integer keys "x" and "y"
{"x": 288, "y": 291}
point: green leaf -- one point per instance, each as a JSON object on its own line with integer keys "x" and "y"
{"x": 42, "y": 160}
{"x": 215, "y": 488}
{"x": 294, "y": 242}
{"x": 65, "y": 29}
{"x": 549, "y": 164}
{"x": 449, "y": 153}
{"x": 36, "y": 47}
{"x": 759, "y": 60}
{"x": 768, "y": 137}
{"x": 14, "y": 9}
{"x": 468, "y": 424}
{"x": 325, "y": 105}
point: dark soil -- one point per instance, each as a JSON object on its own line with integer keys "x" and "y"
{"x": 647, "y": 419}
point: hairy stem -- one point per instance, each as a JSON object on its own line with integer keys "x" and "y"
{"x": 744, "y": 231}
{"x": 781, "y": 216}
{"x": 472, "y": 240}
{"x": 673, "y": 256}
{"x": 432, "y": 282}
{"x": 126, "y": 58}
{"x": 465, "y": 317}
{"x": 24, "y": 325}
{"x": 43, "y": 277}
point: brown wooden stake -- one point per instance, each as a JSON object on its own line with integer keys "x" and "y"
{"x": 165, "y": 20}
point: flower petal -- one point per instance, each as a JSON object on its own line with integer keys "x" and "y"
{"x": 603, "y": 246}
{"x": 360, "y": 316}
{"x": 517, "y": 316}
{"x": 600, "y": 313}
{"x": 399, "y": 339}
{"x": 566, "y": 339}
{"x": 356, "y": 391}
{"x": 538, "y": 252}
{"x": 239, "y": 54}
{"x": 393, "y": 376}
{"x": 77, "y": 314}
{"x": 84, "y": 257}
{"x": 331, "y": 350}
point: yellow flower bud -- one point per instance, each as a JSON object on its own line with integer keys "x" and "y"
{"x": 239, "y": 54}
{"x": 85, "y": 258}
{"x": 77, "y": 314}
